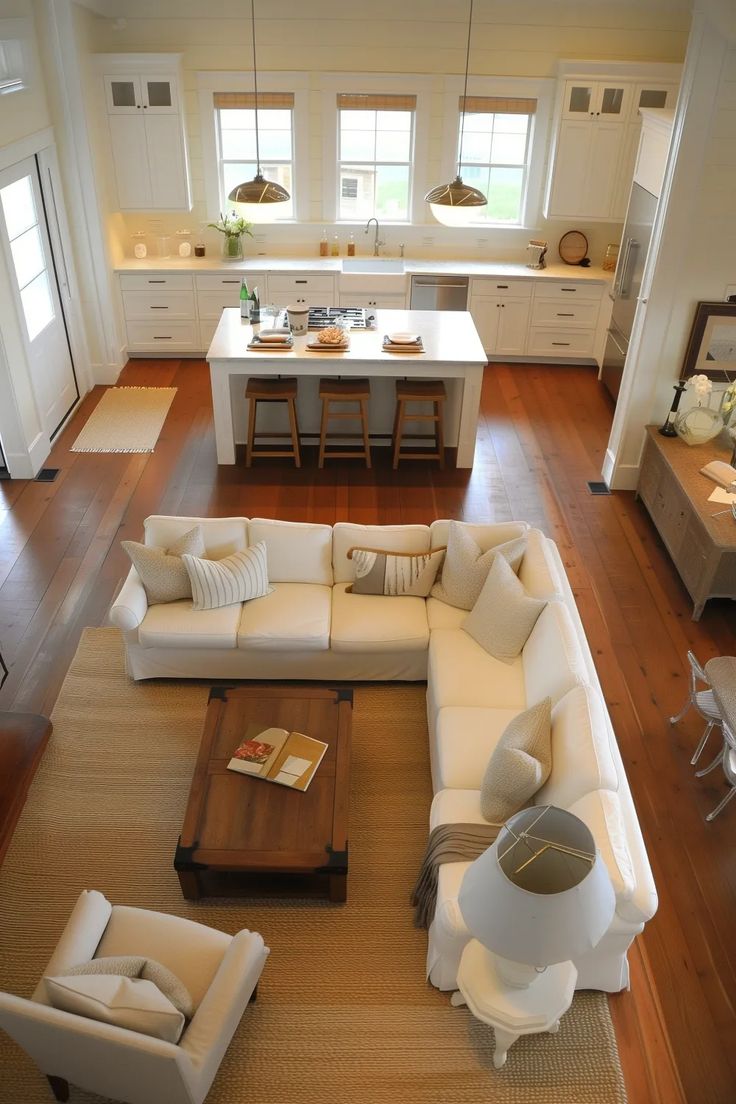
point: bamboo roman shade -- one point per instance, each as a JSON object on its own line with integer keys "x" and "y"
{"x": 504, "y": 105}
{"x": 248, "y": 100}
{"x": 356, "y": 101}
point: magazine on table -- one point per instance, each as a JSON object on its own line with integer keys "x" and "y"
{"x": 289, "y": 758}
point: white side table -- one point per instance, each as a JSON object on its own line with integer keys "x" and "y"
{"x": 512, "y": 1012}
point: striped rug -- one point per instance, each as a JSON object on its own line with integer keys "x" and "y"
{"x": 344, "y": 1014}
{"x": 126, "y": 419}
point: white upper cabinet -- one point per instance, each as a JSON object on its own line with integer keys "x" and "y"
{"x": 146, "y": 131}
{"x": 596, "y": 136}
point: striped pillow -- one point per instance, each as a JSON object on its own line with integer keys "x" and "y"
{"x": 237, "y": 578}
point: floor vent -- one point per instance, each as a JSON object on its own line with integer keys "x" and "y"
{"x": 598, "y": 488}
{"x": 47, "y": 475}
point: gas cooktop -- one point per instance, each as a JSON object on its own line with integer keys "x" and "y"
{"x": 319, "y": 317}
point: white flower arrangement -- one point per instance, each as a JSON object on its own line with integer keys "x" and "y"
{"x": 701, "y": 385}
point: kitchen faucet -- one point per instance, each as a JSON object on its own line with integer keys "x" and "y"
{"x": 376, "y": 242}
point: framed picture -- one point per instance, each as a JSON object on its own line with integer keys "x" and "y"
{"x": 712, "y": 345}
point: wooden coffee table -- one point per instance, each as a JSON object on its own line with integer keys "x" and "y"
{"x": 245, "y": 836}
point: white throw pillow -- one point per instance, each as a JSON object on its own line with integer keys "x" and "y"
{"x": 466, "y": 566}
{"x": 161, "y": 570}
{"x": 504, "y": 615}
{"x": 237, "y": 578}
{"x": 122, "y": 1001}
{"x": 520, "y": 763}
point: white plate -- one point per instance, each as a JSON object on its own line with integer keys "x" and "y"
{"x": 280, "y": 338}
{"x": 403, "y": 338}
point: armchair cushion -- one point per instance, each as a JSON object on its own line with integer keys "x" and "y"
{"x": 133, "y": 1003}
{"x": 135, "y": 966}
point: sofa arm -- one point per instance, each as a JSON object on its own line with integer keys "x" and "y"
{"x": 213, "y": 1025}
{"x": 131, "y": 604}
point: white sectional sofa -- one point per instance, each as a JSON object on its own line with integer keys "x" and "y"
{"x": 310, "y": 628}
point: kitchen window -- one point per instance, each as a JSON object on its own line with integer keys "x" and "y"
{"x": 375, "y": 153}
{"x": 497, "y": 144}
{"x": 236, "y": 142}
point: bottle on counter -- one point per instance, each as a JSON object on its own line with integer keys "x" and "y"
{"x": 335, "y": 251}
{"x": 255, "y": 305}
{"x": 351, "y": 245}
{"x": 324, "y": 248}
{"x": 244, "y": 300}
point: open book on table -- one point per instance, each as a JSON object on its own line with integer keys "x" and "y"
{"x": 289, "y": 758}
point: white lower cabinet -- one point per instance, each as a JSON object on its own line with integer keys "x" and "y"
{"x": 310, "y": 289}
{"x": 380, "y": 302}
{"x": 500, "y": 310}
{"x": 160, "y": 338}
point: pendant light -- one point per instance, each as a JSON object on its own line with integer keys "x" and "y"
{"x": 453, "y": 204}
{"x": 255, "y": 197}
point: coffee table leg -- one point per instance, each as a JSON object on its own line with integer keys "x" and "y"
{"x": 338, "y": 887}
{"x": 189, "y": 883}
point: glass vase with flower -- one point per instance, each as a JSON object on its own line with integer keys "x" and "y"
{"x": 233, "y": 229}
{"x": 700, "y": 423}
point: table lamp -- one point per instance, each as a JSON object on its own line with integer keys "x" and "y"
{"x": 540, "y": 894}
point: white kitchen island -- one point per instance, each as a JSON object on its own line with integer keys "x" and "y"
{"x": 452, "y": 352}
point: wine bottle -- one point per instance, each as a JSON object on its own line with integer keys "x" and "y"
{"x": 244, "y": 300}
{"x": 255, "y": 306}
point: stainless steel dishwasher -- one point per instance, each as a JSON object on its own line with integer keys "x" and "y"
{"x": 444, "y": 293}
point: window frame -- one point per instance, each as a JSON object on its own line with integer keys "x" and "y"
{"x": 543, "y": 91}
{"x": 297, "y": 83}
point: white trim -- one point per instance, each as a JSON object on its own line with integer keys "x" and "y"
{"x": 649, "y": 72}
{"x": 122, "y": 64}
{"x": 421, "y": 87}
{"x": 210, "y": 82}
{"x": 25, "y": 147}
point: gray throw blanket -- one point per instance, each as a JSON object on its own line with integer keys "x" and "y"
{"x": 447, "y": 843}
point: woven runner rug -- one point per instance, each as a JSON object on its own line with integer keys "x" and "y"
{"x": 126, "y": 419}
{"x": 344, "y": 1013}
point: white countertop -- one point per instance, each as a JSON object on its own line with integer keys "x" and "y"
{"x": 449, "y": 337}
{"x": 333, "y": 265}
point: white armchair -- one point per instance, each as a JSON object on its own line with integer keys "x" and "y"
{"x": 220, "y": 971}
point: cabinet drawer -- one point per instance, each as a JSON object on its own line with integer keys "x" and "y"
{"x": 518, "y": 288}
{"x": 563, "y": 312}
{"x": 215, "y": 280}
{"x": 211, "y": 304}
{"x": 142, "y": 281}
{"x": 140, "y": 305}
{"x": 560, "y": 343}
{"x": 568, "y": 289}
{"x": 280, "y": 283}
{"x": 162, "y": 337}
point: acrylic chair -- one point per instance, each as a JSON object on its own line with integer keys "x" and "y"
{"x": 704, "y": 702}
{"x": 727, "y": 759}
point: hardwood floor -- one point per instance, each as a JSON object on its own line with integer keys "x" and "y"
{"x": 542, "y": 435}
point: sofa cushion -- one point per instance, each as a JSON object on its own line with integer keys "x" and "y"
{"x": 131, "y": 1003}
{"x": 581, "y": 751}
{"x": 466, "y": 566}
{"x": 222, "y": 536}
{"x": 486, "y": 535}
{"x": 440, "y": 615}
{"x": 389, "y": 538}
{"x": 178, "y": 625}
{"x": 455, "y": 807}
{"x": 236, "y": 578}
{"x": 394, "y": 574}
{"x": 298, "y": 552}
{"x": 464, "y": 740}
{"x": 519, "y": 765}
{"x": 504, "y": 614}
{"x": 162, "y": 570}
{"x": 293, "y": 615}
{"x": 374, "y": 623}
{"x": 462, "y": 673}
{"x": 538, "y": 572}
{"x": 601, "y": 811}
{"x": 552, "y": 658}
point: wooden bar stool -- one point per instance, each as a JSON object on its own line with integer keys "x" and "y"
{"x": 355, "y": 393}
{"x": 420, "y": 391}
{"x": 272, "y": 391}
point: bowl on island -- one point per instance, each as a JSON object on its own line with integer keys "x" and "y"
{"x": 402, "y": 338}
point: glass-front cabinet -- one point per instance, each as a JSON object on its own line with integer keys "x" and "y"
{"x": 597, "y": 99}
{"x": 128, "y": 94}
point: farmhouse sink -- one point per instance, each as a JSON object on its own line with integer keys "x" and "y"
{"x": 372, "y": 264}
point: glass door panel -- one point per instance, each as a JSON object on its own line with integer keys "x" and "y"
{"x": 29, "y": 262}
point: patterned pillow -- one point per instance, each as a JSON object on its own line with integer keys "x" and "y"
{"x": 466, "y": 567}
{"x": 396, "y": 573}
{"x": 520, "y": 764}
{"x": 237, "y": 578}
{"x": 504, "y": 614}
{"x": 161, "y": 570}
{"x": 136, "y": 966}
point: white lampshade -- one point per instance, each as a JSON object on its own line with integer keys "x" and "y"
{"x": 541, "y": 893}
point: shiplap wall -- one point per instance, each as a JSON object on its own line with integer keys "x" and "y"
{"x": 415, "y": 36}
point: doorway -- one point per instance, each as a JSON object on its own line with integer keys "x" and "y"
{"x": 26, "y": 238}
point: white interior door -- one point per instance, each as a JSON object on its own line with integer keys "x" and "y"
{"x": 25, "y": 237}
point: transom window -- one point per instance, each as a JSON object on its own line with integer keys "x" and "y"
{"x": 11, "y": 66}
{"x": 375, "y": 155}
{"x": 496, "y": 151}
{"x": 235, "y": 125}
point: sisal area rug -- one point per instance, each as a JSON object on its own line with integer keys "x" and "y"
{"x": 343, "y": 1012}
{"x": 126, "y": 419}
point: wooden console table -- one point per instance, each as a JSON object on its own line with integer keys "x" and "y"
{"x": 702, "y": 547}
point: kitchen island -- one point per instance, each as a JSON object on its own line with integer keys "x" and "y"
{"x": 452, "y": 352}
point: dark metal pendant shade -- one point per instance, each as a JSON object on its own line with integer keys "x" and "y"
{"x": 258, "y": 190}
{"x": 456, "y": 194}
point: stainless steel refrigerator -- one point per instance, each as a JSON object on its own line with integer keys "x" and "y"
{"x": 627, "y": 283}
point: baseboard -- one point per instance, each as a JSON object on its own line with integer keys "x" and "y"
{"x": 107, "y": 374}
{"x": 625, "y": 477}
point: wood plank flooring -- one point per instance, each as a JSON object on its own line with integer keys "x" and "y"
{"x": 542, "y": 435}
